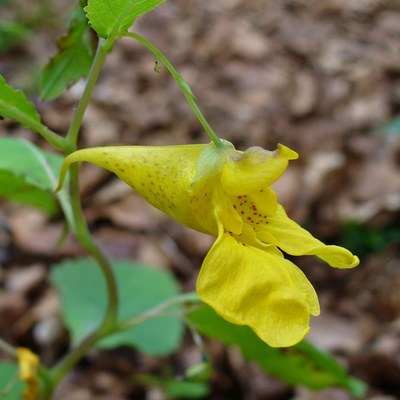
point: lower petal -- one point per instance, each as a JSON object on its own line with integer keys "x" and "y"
{"x": 250, "y": 286}
{"x": 293, "y": 239}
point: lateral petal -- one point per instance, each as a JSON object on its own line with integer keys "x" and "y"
{"x": 293, "y": 239}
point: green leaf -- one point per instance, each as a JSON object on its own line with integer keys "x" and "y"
{"x": 364, "y": 240}
{"x": 172, "y": 388}
{"x": 301, "y": 365}
{"x": 111, "y": 17}
{"x": 28, "y": 174}
{"x": 11, "y": 34}
{"x": 15, "y": 105}
{"x": 72, "y": 61}
{"x": 325, "y": 361}
{"x": 392, "y": 127}
{"x": 10, "y": 387}
{"x": 186, "y": 390}
{"x": 83, "y": 296}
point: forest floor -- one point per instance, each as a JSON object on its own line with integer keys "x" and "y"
{"x": 322, "y": 77}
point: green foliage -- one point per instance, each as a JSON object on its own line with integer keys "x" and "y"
{"x": 174, "y": 389}
{"x": 112, "y": 17}
{"x": 301, "y": 365}
{"x": 185, "y": 390}
{"x": 363, "y": 240}
{"x": 325, "y": 361}
{"x": 200, "y": 372}
{"x": 28, "y": 174}
{"x": 72, "y": 61}
{"x": 392, "y": 127}
{"x": 83, "y": 302}
{"x": 9, "y": 375}
{"x": 15, "y": 105}
{"x": 12, "y": 33}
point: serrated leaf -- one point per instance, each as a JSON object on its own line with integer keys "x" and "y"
{"x": 10, "y": 387}
{"x": 72, "y": 61}
{"x": 301, "y": 365}
{"x": 15, "y": 105}
{"x": 116, "y": 16}
{"x": 28, "y": 174}
{"x": 83, "y": 295}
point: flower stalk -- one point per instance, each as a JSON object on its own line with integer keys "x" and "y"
{"x": 187, "y": 92}
{"x": 8, "y": 349}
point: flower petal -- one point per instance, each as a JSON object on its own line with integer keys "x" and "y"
{"x": 293, "y": 239}
{"x": 28, "y": 372}
{"x": 228, "y": 215}
{"x": 255, "y": 169}
{"x": 265, "y": 201}
{"x": 258, "y": 288}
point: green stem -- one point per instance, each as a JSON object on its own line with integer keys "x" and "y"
{"x": 78, "y": 223}
{"x": 34, "y": 125}
{"x": 7, "y": 349}
{"x": 187, "y": 92}
{"x": 86, "y": 240}
{"x": 98, "y": 62}
{"x": 158, "y": 310}
{"x": 59, "y": 371}
{"x": 51, "y": 137}
{"x": 109, "y": 322}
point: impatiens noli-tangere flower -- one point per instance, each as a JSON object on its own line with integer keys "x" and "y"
{"x": 226, "y": 193}
{"x": 28, "y": 373}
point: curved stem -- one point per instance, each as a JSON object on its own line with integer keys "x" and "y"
{"x": 187, "y": 92}
{"x": 109, "y": 322}
{"x": 8, "y": 349}
{"x": 59, "y": 371}
{"x": 66, "y": 364}
{"x": 51, "y": 137}
{"x": 78, "y": 223}
{"x": 158, "y": 310}
{"x": 99, "y": 59}
{"x": 86, "y": 240}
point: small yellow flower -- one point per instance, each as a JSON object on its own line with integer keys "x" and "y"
{"x": 28, "y": 372}
{"x": 226, "y": 193}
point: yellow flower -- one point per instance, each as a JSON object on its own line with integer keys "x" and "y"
{"x": 28, "y": 372}
{"x": 226, "y": 193}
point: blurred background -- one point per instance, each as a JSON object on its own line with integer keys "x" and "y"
{"x": 320, "y": 76}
